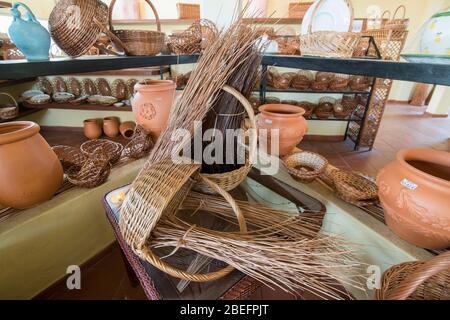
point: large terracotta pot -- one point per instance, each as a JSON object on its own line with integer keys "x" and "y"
{"x": 30, "y": 172}
{"x": 415, "y": 193}
{"x": 152, "y": 103}
{"x": 288, "y": 120}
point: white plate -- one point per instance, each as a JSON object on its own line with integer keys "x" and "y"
{"x": 332, "y": 15}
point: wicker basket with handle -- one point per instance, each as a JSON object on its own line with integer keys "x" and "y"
{"x": 329, "y": 43}
{"x": 230, "y": 180}
{"x": 10, "y": 111}
{"x": 139, "y": 42}
{"x": 417, "y": 280}
{"x": 188, "y": 11}
{"x": 398, "y": 23}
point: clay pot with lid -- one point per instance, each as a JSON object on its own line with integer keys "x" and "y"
{"x": 111, "y": 126}
{"x": 30, "y": 172}
{"x": 152, "y": 103}
{"x": 289, "y": 122}
{"x": 414, "y": 191}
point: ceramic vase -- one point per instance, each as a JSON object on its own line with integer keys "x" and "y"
{"x": 127, "y": 129}
{"x": 287, "y": 121}
{"x": 92, "y": 129}
{"x": 30, "y": 172}
{"x": 29, "y": 36}
{"x": 152, "y": 103}
{"x": 111, "y": 126}
{"x": 414, "y": 191}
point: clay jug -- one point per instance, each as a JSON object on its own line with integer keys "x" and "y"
{"x": 414, "y": 191}
{"x": 289, "y": 122}
{"x": 127, "y": 129}
{"x": 30, "y": 172}
{"x": 111, "y": 126}
{"x": 92, "y": 129}
{"x": 152, "y": 103}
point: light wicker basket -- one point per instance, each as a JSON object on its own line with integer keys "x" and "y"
{"x": 354, "y": 186}
{"x": 417, "y": 280}
{"x": 188, "y": 11}
{"x": 329, "y": 43}
{"x": 305, "y": 166}
{"x": 398, "y": 23}
{"x": 9, "y": 112}
{"x": 297, "y": 10}
{"x": 230, "y": 180}
{"x": 139, "y": 42}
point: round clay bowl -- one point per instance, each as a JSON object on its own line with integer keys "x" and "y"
{"x": 414, "y": 191}
{"x": 28, "y": 165}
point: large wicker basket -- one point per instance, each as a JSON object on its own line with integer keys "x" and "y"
{"x": 230, "y": 180}
{"x": 329, "y": 43}
{"x": 139, "y": 42}
{"x": 417, "y": 280}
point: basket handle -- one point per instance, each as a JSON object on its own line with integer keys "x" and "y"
{"x": 111, "y": 8}
{"x": 352, "y": 14}
{"x": 389, "y": 15}
{"x": 429, "y": 269}
{"x": 251, "y": 115}
{"x": 147, "y": 254}
{"x": 11, "y": 97}
{"x": 397, "y": 10}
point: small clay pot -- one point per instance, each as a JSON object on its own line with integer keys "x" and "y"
{"x": 92, "y": 129}
{"x": 127, "y": 129}
{"x": 111, "y": 126}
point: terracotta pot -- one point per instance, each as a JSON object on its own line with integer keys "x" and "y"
{"x": 152, "y": 103}
{"x": 111, "y": 126}
{"x": 92, "y": 129}
{"x": 127, "y": 129}
{"x": 30, "y": 172}
{"x": 288, "y": 120}
{"x": 414, "y": 191}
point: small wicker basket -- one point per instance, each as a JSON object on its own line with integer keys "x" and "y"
{"x": 288, "y": 45}
{"x": 139, "y": 42}
{"x": 329, "y": 43}
{"x": 339, "y": 82}
{"x": 305, "y": 166}
{"x": 303, "y": 80}
{"x": 325, "y": 108}
{"x": 112, "y": 149}
{"x": 282, "y": 81}
{"x": 354, "y": 186}
{"x": 309, "y": 108}
{"x": 398, "y": 23}
{"x": 188, "y": 11}
{"x": 70, "y": 157}
{"x": 417, "y": 280}
{"x": 9, "y": 111}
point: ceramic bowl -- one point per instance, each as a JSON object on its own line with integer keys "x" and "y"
{"x": 40, "y": 99}
{"x": 27, "y": 95}
{"x": 63, "y": 97}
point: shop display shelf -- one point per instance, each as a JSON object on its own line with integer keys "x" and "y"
{"x": 293, "y": 90}
{"x": 69, "y": 106}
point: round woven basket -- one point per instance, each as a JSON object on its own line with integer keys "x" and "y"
{"x": 417, "y": 280}
{"x": 305, "y": 166}
{"x": 139, "y": 42}
{"x": 70, "y": 157}
{"x": 230, "y": 180}
{"x": 398, "y": 23}
{"x": 9, "y": 112}
{"x": 354, "y": 186}
{"x": 112, "y": 149}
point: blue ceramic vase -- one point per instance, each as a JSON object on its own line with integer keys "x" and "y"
{"x": 29, "y": 36}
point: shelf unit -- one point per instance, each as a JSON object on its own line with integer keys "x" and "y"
{"x": 4, "y": 4}
{"x": 22, "y": 113}
{"x": 69, "y": 106}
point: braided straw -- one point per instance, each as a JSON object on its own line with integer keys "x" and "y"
{"x": 418, "y": 280}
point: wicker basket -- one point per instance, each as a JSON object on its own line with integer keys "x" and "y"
{"x": 10, "y": 111}
{"x": 417, "y": 280}
{"x": 398, "y": 23}
{"x": 359, "y": 83}
{"x": 139, "y": 146}
{"x": 230, "y": 180}
{"x": 297, "y": 10}
{"x": 354, "y": 186}
{"x": 188, "y": 11}
{"x": 90, "y": 17}
{"x": 289, "y": 45}
{"x": 325, "y": 108}
{"x": 70, "y": 157}
{"x": 339, "y": 82}
{"x": 194, "y": 39}
{"x": 94, "y": 172}
{"x": 302, "y": 80}
{"x": 329, "y": 43}
{"x": 282, "y": 81}
{"x": 343, "y": 110}
{"x": 305, "y": 166}
{"x": 139, "y": 42}
{"x": 309, "y": 108}
{"x": 112, "y": 149}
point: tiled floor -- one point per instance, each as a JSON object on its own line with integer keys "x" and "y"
{"x": 403, "y": 127}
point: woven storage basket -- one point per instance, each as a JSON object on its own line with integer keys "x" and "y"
{"x": 9, "y": 112}
{"x": 94, "y": 172}
{"x": 288, "y": 45}
{"x": 309, "y": 108}
{"x": 342, "y": 110}
{"x": 90, "y": 18}
{"x": 165, "y": 186}
{"x": 398, "y": 23}
{"x": 339, "y": 82}
{"x": 194, "y": 39}
{"x": 70, "y": 157}
{"x": 305, "y": 166}
{"x": 325, "y": 108}
{"x": 359, "y": 83}
{"x": 417, "y": 280}
{"x": 298, "y": 10}
{"x": 139, "y": 42}
{"x": 112, "y": 149}
{"x": 188, "y": 11}
{"x": 139, "y": 146}
{"x": 282, "y": 81}
{"x": 302, "y": 80}
{"x": 329, "y": 43}
{"x": 354, "y": 186}
{"x": 230, "y": 180}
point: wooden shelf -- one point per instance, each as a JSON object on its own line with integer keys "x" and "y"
{"x": 153, "y": 21}
{"x": 278, "y": 21}
{"x": 7, "y": 83}
{"x": 22, "y": 113}
{"x": 4, "y": 4}
{"x": 68, "y": 106}
{"x": 149, "y": 71}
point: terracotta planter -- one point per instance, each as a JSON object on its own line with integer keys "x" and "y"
{"x": 288, "y": 120}
{"x": 127, "y": 129}
{"x": 92, "y": 129}
{"x": 30, "y": 172}
{"x": 111, "y": 126}
{"x": 152, "y": 103}
{"x": 415, "y": 193}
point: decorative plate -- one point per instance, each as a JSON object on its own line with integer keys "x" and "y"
{"x": 63, "y": 97}
{"x": 89, "y": 87}
{"x": 130, "y": 85}
{"x": 103, "y": 87}
{"x": 107, "y": 100}
{"x": 30, "y": 94}
{"x": 40, "y": 99}
{"x": 75, "y": 87}
{"x": 45, "y": 86}
{"x": 331, "y": 15}
{"x": 119, "y": 89}
{"x": 79, "y": 100}
{"x": 59, "y": 85}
